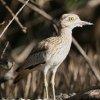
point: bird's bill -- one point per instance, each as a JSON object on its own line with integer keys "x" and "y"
{"x": 85, "y": 23}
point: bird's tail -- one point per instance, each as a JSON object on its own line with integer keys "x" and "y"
{"x": 22, "y": 74}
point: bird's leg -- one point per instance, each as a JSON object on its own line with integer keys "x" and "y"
{"x": 53, "y": 84}
{"x": 46, "y": 83}
{"x": 52, "y": 81}
{"x": 46, "y": 86}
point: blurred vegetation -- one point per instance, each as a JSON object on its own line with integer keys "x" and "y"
{"x": 74, "y": 74}
{"x": 75, "y": 4}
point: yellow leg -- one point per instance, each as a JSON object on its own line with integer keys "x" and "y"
{"x": 53, "y": 86}
{"x": 52, "y": 81}
{"x": 45, "y": 81}
{"x": 46, "y": 86}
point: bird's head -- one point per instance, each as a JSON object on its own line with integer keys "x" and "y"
{"x": 72, "y": 21}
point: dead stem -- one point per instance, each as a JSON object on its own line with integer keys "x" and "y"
{"x": 16, "y": 18}
{"x": 13, "y": 18}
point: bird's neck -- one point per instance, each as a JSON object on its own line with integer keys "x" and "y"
{"x": 65, "y": 32}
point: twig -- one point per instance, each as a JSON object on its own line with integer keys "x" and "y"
{"x": 5, "y": 49}
{"x": 4, "y": 62}
{"x": 48, "y": 17}
{"x": 13, "y": 18}
{"x": 36, "y": 9}
{"x": 88, "y": 94}
{"x": 16, "y": 18}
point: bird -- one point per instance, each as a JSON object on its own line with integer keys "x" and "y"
{"x": 52, "y": 51}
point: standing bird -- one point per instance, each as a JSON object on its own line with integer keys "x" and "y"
{"x": 52, "y": 51}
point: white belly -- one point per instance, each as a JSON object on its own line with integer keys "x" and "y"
{"x": 59, "y": 56}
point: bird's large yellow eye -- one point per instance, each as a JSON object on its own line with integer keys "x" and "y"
{"x": 70, "y": 18}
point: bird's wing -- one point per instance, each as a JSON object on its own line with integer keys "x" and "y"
{"x": 36, "y": 57}
{"x": 34, "y": 61}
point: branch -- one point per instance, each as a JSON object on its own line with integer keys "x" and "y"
{"x": 7, "y": 44}
{"x": 90, "y": 94}
{"x": 13, "y": 18}
{"x": 5, "y": 63}
{"x": 16, "y": 18}
{"x": 36, "y": 9}
{"x": 48, "y": 17}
